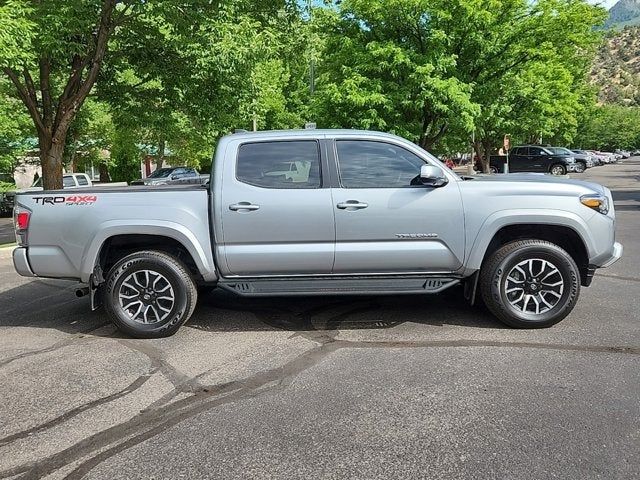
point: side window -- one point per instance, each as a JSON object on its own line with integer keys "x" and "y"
{"x": 82, "y": 180}
{"x": 68, "y": 182}
{"x": 281, "y": 164}
{"x": 536, "y": 151}
{"x": 519, "y": 151}
{"x": 369, "y": 164}
{"x": 190, "y": 172}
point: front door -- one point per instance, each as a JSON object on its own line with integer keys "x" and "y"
{"x": 386, "y": 221}
{"x": 277, "y": 217}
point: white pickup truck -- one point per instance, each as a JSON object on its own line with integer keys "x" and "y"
{"x": 322, "y": 212}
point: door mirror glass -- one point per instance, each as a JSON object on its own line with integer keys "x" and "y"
{"x": 432, "y": 176}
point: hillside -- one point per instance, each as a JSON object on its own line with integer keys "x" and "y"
{"x": 624, "y": 13}
{"x": 616, "y": 70}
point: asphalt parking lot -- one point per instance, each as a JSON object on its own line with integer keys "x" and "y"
{"x": 6, "y": 231}
{"x": 399, "y": 387}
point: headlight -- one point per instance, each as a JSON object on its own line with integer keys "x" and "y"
{"x": 597, "y": 202}
{"x": 571, "y": 160}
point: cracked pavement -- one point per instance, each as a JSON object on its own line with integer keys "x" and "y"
{"x": 361, "y": 387}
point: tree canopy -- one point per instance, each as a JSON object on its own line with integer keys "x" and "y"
{"x": 172, "y": 76}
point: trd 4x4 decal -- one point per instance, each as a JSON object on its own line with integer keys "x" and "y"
{"x": 68, "y": 200}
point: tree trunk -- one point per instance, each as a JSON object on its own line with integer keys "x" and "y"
{"x": 104, "y": 172}
{"x": 160, "y": 159}
{"x": 486, "y": 161}
{"x": 479, "y": 151}
{"x": 51, "y": 161}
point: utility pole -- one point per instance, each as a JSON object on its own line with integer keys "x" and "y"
{"x": 312, "y": 61}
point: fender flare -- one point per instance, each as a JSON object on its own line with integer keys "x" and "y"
{"x": 505, "y": 218}
{"x": 202, "y": 257}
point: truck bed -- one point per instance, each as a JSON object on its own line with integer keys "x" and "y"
{"x": 68, "y": 227}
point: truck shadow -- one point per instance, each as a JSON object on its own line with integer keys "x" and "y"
{"x": 56, "y": 307}
{"x": 217, "y": 312}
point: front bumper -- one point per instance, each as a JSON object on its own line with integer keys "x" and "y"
{"x": 616, "y": 253}
{"x": 21, "y": 262}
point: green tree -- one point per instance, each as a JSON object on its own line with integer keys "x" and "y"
{"x": 529, "y": 70}
{"x": 390, "y": 65}
{"x": 16, "y": 130}
{"x": 53, "y": 52}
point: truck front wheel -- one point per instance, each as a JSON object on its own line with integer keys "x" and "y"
{"x": 149, "y": 294}
{"x": 530, "y": 284}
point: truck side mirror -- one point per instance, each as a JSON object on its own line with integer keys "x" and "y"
{"x": 432, "y": 176}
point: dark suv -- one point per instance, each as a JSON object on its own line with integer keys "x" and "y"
{"x": 533, "y": 158}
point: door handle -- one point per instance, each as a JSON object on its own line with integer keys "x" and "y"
{"x": 243, "y": 206}
{"x": 352, "y": 205}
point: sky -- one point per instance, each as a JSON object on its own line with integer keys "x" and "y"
{"x": 604, "y": 3}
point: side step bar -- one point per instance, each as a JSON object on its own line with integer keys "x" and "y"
{"x": 337, "y": 286}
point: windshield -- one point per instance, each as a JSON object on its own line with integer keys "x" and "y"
{"x": 560, "y": 151}
{"x": 161, "y": 173}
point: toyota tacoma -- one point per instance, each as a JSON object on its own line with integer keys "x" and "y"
{"x": 322, "y": 212}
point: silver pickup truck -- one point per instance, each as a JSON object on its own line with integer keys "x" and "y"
{"x": 322, "y": 212}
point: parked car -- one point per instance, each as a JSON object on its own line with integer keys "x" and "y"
{"x": 533, "y": 158}
{"x": 613, "y": 158}
{"x": 602, "y": 158}
{"x": 375, "y": 215}
{"x": 592, "y": 160}
{"x": 582, "y": 161}
{"x": 623, "y": 153}
{"x": 69, "y": 180}
{"x": 5, "y": 208}
{"x": 174, "y": 176}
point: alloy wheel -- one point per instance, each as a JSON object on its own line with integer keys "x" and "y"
{"x": 146, "y": 296}
{"x": 534, "y": 286}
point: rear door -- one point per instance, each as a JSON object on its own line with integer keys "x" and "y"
{"x": 277, "y": 213}
{"x": 386, "y": 220}
{"x": 518, "y": 160}
{"x": 538, "y": 158}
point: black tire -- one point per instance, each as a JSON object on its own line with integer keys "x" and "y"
{"x": 558, "y": 169}
{"x": 581, "y": 167}
{"x": 157, "y": 269}
{"x": 493, "y": 170}
{"x": 497, "y": 274}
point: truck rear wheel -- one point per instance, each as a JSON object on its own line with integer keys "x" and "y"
{"x": 149, "y": 294}
{"x": 530, "y": 284}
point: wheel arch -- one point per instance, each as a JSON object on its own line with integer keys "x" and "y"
{"x": 114, "y": 241}
{"x": 567, "y": 232}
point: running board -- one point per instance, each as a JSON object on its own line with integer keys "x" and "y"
{"x": 337, "y": 286}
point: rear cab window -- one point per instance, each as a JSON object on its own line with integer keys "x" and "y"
{"x": 280, "y": 164}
